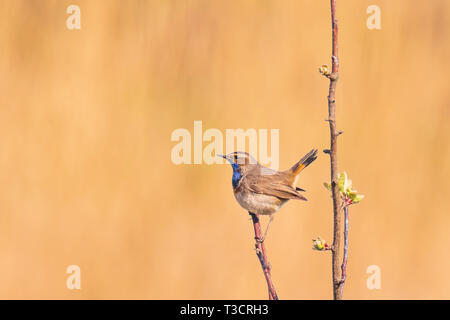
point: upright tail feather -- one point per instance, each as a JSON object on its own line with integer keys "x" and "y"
{"x": 304, "y": 162}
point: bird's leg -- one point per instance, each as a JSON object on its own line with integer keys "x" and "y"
{"x": 261, "y": 240}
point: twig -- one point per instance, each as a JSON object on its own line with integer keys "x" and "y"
{"x": 333, "y": 76}
{"x": 344, "y": 259}
{"x": 261, "y": 253}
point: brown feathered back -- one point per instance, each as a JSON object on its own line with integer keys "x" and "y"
{"x": 262, "y": 180}
{"x": 277, "y": 185}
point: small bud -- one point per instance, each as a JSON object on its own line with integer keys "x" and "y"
{"x": 319, "y": 244}
{"x": 350, "y": 195}
{"x": 342, "y": 182}
{"x": 348, "y": 185}
{"x": 345, "y": 185}
{"x": 356, "y": 198}
{"x": 324, "y": 70}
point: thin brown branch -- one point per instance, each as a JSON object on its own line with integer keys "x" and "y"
{"x": 334, "y": 76}
{"x": 345, "y": 258}
{"x": 262, "y": 256}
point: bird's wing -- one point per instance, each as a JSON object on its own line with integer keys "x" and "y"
{"x": 272, "y": 185}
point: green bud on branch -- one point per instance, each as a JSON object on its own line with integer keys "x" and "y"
{"x": 348, "y": 194}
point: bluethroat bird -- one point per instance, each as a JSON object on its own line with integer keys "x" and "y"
{"x": 261, "y": 190}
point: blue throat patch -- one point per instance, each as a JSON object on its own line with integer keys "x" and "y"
{"x": 237, "y": 176}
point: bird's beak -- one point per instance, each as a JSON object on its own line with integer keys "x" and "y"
{"x": 223, "y": 156}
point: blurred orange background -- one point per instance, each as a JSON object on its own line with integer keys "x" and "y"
{"x": 86, "y": 174}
